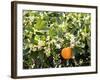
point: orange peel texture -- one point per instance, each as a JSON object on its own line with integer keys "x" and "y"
{"x": 66, "y": 53}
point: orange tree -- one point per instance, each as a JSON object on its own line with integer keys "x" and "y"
{"x": 46, "y": 34}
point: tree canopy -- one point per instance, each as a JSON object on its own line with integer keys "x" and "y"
{"x": 46, "y": 33}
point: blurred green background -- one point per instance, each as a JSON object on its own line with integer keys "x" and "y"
{"x": 46, "y": 33}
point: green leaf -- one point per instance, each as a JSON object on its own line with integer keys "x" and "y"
{"x": 40, "y": 25}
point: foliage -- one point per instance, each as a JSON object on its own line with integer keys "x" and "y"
{"x": 46, "y": 33}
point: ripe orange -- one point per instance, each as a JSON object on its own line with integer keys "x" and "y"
{"x": 66, "y": 53}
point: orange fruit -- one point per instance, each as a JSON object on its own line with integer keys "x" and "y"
{"x": 66, "y": 53}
